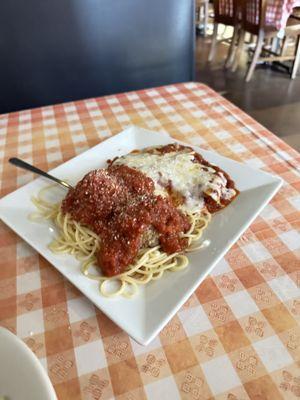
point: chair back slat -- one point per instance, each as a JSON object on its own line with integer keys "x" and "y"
{"x": 225, "y": 11}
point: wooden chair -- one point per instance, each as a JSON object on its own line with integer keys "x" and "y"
{"x": 253, "y": 21}
{"x": 226, "y": 13}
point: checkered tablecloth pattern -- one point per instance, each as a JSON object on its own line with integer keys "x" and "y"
{"x": 277, "y": 12}
{"x": 237, "y": 337}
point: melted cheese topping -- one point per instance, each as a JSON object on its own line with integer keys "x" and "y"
{"x": 179, "y": 171}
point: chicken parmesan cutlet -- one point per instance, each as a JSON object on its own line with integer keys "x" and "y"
{"x": 147, "y": 198}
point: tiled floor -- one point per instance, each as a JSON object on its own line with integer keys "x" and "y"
{"x": 271, "y": 97}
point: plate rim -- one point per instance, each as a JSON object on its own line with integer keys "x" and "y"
{"x": 20, "y": 346}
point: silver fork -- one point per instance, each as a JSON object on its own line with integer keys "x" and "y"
{"x": 22, "y": 164}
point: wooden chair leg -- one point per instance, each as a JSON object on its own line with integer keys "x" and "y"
{"x": 239, "y": 49}
{"x": 297, "y": 59}
{"x": 259, "y": 44}
{"x": 275, "y": 47}
{"x": 283, "y": 46}
{"x": 213, "y": 43}
{"x": 231, "y": 51}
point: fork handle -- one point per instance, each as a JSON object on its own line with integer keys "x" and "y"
{"x": 22, "y": 164}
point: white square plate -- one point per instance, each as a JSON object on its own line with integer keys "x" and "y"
{"x": 145, "y": 315}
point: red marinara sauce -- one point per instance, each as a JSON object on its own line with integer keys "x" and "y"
{"x": 118, "y": 204}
